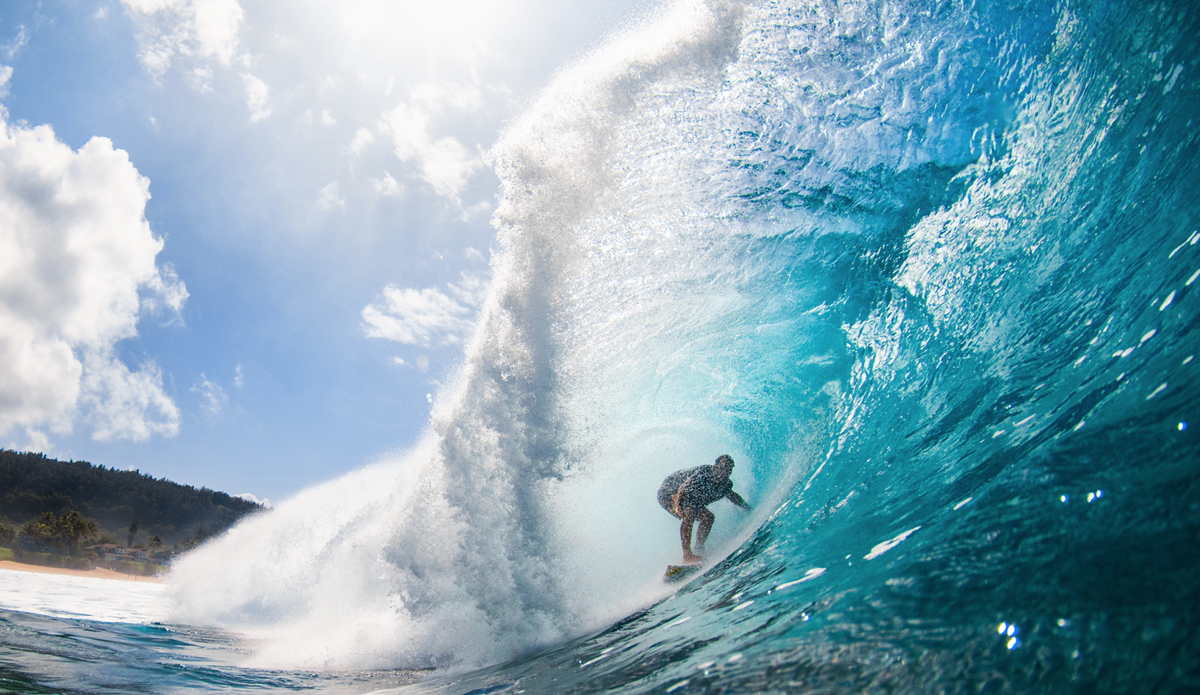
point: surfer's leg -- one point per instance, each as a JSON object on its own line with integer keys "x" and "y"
{"x": 685, "y": 535}
{"x": 706, "y": 522}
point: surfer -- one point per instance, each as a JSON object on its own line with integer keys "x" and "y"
{"x": 686, "y": 495}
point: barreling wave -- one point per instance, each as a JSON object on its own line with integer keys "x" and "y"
{"x": 920, "y": 270}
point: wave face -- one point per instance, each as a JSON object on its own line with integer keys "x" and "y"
{"x": 925, "y": 271}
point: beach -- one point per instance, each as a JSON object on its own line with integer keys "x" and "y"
{"x": 96, "y": 573}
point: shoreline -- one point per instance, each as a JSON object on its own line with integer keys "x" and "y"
{"x": 94, "y": 573}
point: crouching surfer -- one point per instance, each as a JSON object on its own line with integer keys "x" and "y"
{"x": 686, "y": 495}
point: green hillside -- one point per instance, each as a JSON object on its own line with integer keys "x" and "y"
{"x": 32, "y": 484}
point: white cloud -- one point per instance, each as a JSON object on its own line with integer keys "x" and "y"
{"x": 216, "y": 25}
{"x": 327, "y": 118}
{"x": 152, "y": 6}
{"x": 201, "y": 79}
{"x": 416, "y": 317}
{"x": 121, "y": 404}
{"x": 5, "y": 75}
{"x": 436, "y": 96}
{"x": 328, "y": 198}
{"x": 165, "y": 295}
{"x": 75, "y": 251}
{"x": 362, "y": 138}
{"x": 445, "y": 164}
{"x": 36, "y": 440}
{"x": 239, "y": 379}
{"x": 479, "y": 210}
{"x": 425, "y": 317}
{"x": 256, "y": 97}
{"x": 409, "y": 128}
{"x": 251, "y": 498}
{"x": 212, "y": 397}
{"x": 471, "y": 290}
{"x": 421, "y": 364}
{"x": 204, "y": 29}
{"x": 388, "y": 186}
{"x": 19, "y": 41}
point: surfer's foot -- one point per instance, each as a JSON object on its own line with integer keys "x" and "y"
{"x": 693, "y": 559}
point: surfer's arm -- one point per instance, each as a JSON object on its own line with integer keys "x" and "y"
{"x": 737, "y": 499}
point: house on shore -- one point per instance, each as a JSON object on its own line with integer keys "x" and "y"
{"x": 111, "y": 553}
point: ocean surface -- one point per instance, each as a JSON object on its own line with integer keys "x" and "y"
{"x": 926, "y": 270}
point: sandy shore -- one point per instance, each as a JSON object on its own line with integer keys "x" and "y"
{"x": 97, "y": 573}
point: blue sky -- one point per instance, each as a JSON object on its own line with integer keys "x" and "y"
{"x": 242, "y": 241}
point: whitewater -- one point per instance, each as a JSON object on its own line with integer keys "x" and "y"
{"x": 927, "y": 271}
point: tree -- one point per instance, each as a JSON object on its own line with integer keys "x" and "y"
{"x": 64, "y": 532}
{"x": 31, "y": 484}
{"x": 71, "y": 529}
{"x": 39, "y": 529}
{"x": 133, "y": 528}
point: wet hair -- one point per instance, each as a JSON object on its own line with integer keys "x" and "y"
{"x": 723, "y": 458}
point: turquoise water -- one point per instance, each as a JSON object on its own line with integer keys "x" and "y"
{"x": 926, "y": 272}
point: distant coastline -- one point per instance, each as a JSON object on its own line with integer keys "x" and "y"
{"x": 73, "y": 518}
{"x": 95, "y": 573}
{"x": 127, "y": 506}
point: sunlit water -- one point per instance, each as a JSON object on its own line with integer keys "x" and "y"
{"x": 927, "y": 272}
{"x": 66, "y": 596}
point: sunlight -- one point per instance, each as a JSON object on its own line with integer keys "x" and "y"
{"x": 449, "y": 30}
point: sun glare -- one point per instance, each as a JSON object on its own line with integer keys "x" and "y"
{"x": 443, "y": 27}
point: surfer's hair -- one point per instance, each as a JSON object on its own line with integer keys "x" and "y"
{"x": 723, "y": 458}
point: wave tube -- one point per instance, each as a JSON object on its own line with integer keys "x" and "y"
{"x": 527, "y": 514}
{"x": 925, "y": 273}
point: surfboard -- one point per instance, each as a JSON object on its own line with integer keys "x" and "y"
{"x": 678, "y": 573}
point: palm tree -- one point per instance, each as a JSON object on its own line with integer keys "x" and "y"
{"x": 40, "y": 529}
{"x": 65, "y": 532}
{"x": 71, "y": 529}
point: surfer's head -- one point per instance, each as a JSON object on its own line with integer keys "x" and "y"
{"x": 725, "y": 463}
